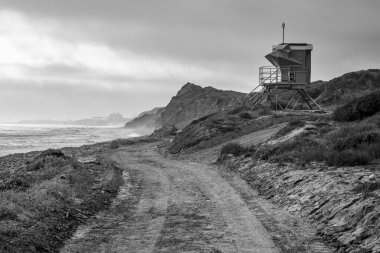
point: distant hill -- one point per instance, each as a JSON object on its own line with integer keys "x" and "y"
{"x": 148, "y": 119}
{"x": 114, "y": 119}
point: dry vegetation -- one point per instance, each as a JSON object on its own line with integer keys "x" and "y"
{"x": 45, "y": 196}
{"x": 335, "y": 143}
{"x": 217, "y": 128}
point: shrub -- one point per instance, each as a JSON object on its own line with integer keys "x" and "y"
{"x": 245, "y": 115}
{"x": 355, "y": 140}
{"x": 359, "y": 108}
{"x": 373, "y": 149}
{"x": 347, "y": 158}
{"x": 266, "y": 151}
{"x": 53, "y": 152}
{"x": 235, "y": 149}
{"x": 318, "y": 154}
{"x": 115, "y": 144}
{"x": 350, "y": 130}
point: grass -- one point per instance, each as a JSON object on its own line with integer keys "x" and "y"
{"x": 342, "y": 144}
{"x": 44, "y": 199}
{"x": 351, "y": 144}
{"x": 218, "y": 128}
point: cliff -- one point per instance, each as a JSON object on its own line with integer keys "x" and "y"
{"x": 149, "y": 119}
{"x": 193, "y": 102}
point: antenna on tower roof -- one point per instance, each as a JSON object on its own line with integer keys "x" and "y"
{"x": 283, "y": 32}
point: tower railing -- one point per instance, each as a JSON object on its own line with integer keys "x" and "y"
{"x": 291, "y": 78}
{"x": 272, "y": 76}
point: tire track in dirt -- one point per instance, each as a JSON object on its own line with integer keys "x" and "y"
{"x": 245, "y": 232}
{"x": 116, "y": 230}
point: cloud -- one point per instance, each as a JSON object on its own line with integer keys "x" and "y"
{"x": 146, "y": 50}
{"x": 27, "y": 45}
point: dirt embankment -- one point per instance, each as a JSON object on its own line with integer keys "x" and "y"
{"x": 342, "y": 203}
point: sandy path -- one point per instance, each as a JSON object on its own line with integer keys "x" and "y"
{"x": 113, "y": 230}
{"x": 187, "y": 205}
{"x": 183, "y": 207}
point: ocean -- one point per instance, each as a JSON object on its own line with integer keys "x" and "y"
{"x": 21, "y": 138}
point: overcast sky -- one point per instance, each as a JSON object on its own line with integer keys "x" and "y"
{"x": 63, "y": 59}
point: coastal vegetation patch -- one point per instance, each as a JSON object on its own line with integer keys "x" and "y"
{"x": 45, "y": 196}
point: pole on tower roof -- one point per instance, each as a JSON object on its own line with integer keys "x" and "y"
{"x": 283, "y": 32}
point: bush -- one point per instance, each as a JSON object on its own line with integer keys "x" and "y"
{"x": 266, "y": 151}
{"x": 53, "y": 152}
{"x": 355, "y": 140}
{"x": 358, "y": 108}
{"x": 318, "y": 154}
{"x": 373, "y": 150}
{"x": 115, "y": 144}
{"x": 245, "y": 115}
{"x": 235, "y": 149}
{"x": 350, "y": 130}
{"x": 347, "y": 158}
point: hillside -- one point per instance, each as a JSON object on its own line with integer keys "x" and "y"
{"x": 321, "y": 167}
{"x": 193, "y": 102}
{"x": 190, "y": 103}
{"x": 339, "y": 90}
{"x": 346, "y": 87}
{"x": 150, "y": 119}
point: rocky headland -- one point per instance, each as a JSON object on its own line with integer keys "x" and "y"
{"x": 190, "y": 103}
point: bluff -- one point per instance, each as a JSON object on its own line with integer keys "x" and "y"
{"x": 148, "y": 119}
{"x": 193, "y": 102}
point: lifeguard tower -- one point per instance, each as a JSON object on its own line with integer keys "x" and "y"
{"x": 290, "y": 72}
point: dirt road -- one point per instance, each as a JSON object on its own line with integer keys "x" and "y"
{"x": 171, "y": 205}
